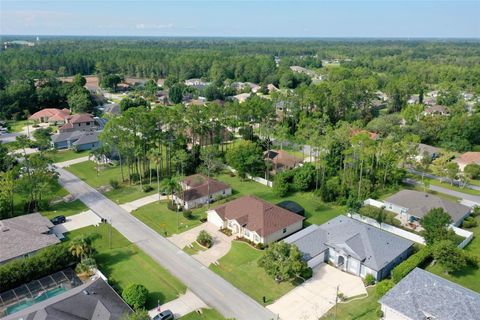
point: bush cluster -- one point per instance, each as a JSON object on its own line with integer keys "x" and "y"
{"x": 114, "y": 184}
{"x": 469, "y": 222}
{"x": 187, "y": 214}
{"x": 416, "y": 260}
{"x": 298, "y": 179}
{"x": 135, "y": 295}
{"x": 205, "y": 239}
{"x": 147, "y": 188}
{"x": 43, "y": 263}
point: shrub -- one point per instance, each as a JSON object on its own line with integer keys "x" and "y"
{"x": 281, "y": 184}
{"x": 173, "y": 206}
{"x": 147, "y": 188}
{"x": 369, "y": 280}
{"x": 205, "y": 239}
{"x": 187, "y": 214}
{"x": 379, "y": 313}
{"x": 44, "y": 262}
{"x": 469, "y": 222}
{"x": 86, "y": 266}
{"x": 135, "y": 295}
{"x": 416, "y": 260}
{"x": 383, "y": 287}
{"x": 114, "y": 184}
{"x": 304, "y": 177}
{"x": 134, "y": 177}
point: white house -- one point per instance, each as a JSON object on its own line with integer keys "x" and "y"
{"x": 255, "y": 219}
{"x": 198, "y": 190}
{"x": 352, "y": 246}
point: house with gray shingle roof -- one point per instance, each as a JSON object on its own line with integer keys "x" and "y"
{"x": 24, "y": 235}
{"x": 352, "y": 246}
{"x": 422, "y": 295}
{"x": 412, "y": 205}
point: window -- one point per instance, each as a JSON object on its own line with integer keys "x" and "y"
{"x": 256, "y": 238}
{"x": 88, "y": 123}
{"x": 247, "y": 233}
{"x": 284, "y": 230}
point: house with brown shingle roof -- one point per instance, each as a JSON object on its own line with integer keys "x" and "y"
{"x": 281, "y": 160}
{"x": 51, "y": 115}
{"x": 255, "y": 219}
{"x": 79, "y": 122}
{"x": 467, "y": 158}
{"x": 198, "y": 190}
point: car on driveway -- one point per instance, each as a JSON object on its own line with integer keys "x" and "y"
{"x": 58, "y": 220}
{"x": 165, "y": 315}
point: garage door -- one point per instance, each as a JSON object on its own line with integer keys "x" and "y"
{"x": 215, "y": 219}
{"x": 315, "y": 261}
{"x": 353, "y": 266}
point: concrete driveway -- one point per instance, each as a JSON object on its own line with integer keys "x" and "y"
{"x": 184, "y": 304}
{"x": 77, "y": 221}
{"x": 221, "y": 243}
{"x": 316, "y": 296}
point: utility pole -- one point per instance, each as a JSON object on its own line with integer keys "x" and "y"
{"x": 336, "y": 304}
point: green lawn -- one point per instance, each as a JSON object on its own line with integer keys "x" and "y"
{"x": 469, "y": 277}
{"x": 207, "y": 314}
{"x": 362, "y": 309}
{"x": 65, "y": 209}
{"x": 475, "y": 182}
{"x": 17, "y": 126}
{"x": 125, "y": 263}
{"x": 158, "y": 217}
{"x": 64, "y": 155}
{"x": 316, "y": 211}
{"x": 87, "y": 171}
{"x": 239, "y": 267}
{"x": 194, "y": 249}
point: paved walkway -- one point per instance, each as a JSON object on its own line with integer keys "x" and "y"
{"x": 73, "y": 161}
{"x": 208, "y": 286}
{"x": 312, "y": 299}
{"x": 181, "y": 306}
{"x": 134, "y": 205}
{"x": 77, "y": 221}
{"x": 221, "y": 243}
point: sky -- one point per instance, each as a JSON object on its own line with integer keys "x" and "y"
{"x": 246, "y": 18}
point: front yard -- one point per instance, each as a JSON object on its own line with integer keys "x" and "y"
{"x": 124, "y": 263}
{"x": 239, "y": 267}
{"x": 163, "y": 220}
{"x": 65, "y": 209}
{"x": 207, "y": 314}
{"x": 87, "y": 171}
{"x": 65, "y": 155}
{"x": 361, "y": 309}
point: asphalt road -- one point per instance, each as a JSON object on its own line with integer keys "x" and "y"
{"x": 457, "y": 194}
{"x": 431, "y": 176}
{"x": 208, "y": 286}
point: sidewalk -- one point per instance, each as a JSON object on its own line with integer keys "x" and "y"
{"x": 73, "y": 161}
{"x": 134, "y": 205}
{"x": 181, "y": 306}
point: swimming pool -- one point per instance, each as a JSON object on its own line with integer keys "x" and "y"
{"x": 31, "y": 301}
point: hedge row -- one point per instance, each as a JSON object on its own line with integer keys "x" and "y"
{"x": 43, "y": 263}
{"x": 416, "y": 260}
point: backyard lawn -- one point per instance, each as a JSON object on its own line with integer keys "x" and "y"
{"x": 207, "y": 314}
{"x": 64, "y": 155}
{"x": 362, "y": 309}
{"x": 163, "y": 220}
{"x": 316, "y": 211}
{"x": 239, "y": 267}
{"x": 468, "y": 277}
{"x": 124, "y": 263}
{"x": 87, "y": 171}
{"x": 65, "y": 209}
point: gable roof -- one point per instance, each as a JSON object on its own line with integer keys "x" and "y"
{"x": 67, "y": 136}
{"x": 25, "y": 234}
{"x": 94, "y": 300}
{"x": 257, "y": 215}
{"x": 469, "y": 157}
{"x": 422, "y": 294}
{"x": 420, "y": 203}
{"x": 198, "y": 187}
{"x": 80, "y": 118}
{"x": 376, "y": 248}
{"x": 87, "y": 137}
{"x": 430, "y": 150}
{"x": 282, "y": 158}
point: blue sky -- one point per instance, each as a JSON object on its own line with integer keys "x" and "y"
{"x": 252, "y": 18}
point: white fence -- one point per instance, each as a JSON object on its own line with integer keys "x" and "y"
{"x": 399, "y": 232}
{"x": 263, "y": 181}
{"x": 409, "y": 235}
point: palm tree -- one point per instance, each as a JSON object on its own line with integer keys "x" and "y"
{"x": 80, "y": 247}
{"x": 171, "y": 186}
{"x": 155, "y": 155}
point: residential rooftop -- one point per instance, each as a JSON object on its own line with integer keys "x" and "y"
{"x": 25, "y": 234}
{"x": 422, "y": 295}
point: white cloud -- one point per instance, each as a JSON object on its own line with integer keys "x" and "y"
{"x": 145, "y": 26}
